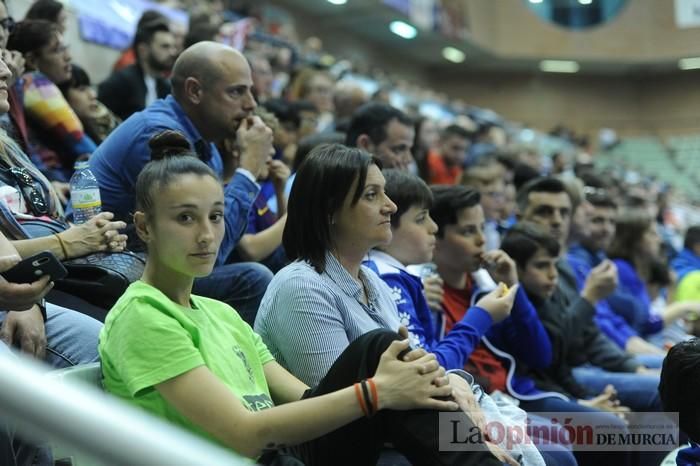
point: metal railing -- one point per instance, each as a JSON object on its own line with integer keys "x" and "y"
{"x": 96, "y": 425}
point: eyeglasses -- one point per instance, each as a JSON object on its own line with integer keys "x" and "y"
{"x": 8, "y": 24}
{"x": 33, "y": 197}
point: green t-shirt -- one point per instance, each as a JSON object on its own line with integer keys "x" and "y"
{"x": 689, "y": 288}
{"x": 148, "y": 339}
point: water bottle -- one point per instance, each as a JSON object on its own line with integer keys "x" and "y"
{"x": 84, "y": 193}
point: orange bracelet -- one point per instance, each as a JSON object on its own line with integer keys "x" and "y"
{"x": 368, "y": 398}
{"x": 360, "y": 398}
{"x": 375, "y": 396}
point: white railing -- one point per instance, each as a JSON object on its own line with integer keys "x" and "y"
{"x": 98, "y": 426}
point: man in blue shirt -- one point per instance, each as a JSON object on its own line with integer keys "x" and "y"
{"x": 211, "y": 102}
{"x": 622, "y": 316}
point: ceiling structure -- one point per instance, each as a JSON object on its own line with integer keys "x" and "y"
{"x": 369, "y": 20}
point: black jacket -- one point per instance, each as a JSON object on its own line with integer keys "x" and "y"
{"x": 124, "y": 91}
{"x": 576, "y": 340}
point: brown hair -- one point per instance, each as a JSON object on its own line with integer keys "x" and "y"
{"x": 171, "y": 156}
{"x": 630, "y": 227}
{"x": 299, "y": 87}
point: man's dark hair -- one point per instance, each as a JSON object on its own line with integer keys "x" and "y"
{"x": 322, "y": 183}
{"x": 47, "y": 10}
{"x": 406, "y": 190}
{"x": 454, "y": 130}
{"x": 200, "y": 32}
{"x": 680, "y": 384}
{"x": 447, "y": 201}
{"x": 523, "y": 173}
{"x": 283, "y": 110}
{"x": 505, "y": 158}
{"x": 146, "y": 31}
{"x": 32, "y": 35}
{"x": 523, "y": 240}
{"x": 149, "y": 16}
{"x": 593, "y": 180}
{"x": 372, "y": 119}
{"x": 544, "y": 184}
{"x": 599, "y": 198}
{"x": 692, "y": 237}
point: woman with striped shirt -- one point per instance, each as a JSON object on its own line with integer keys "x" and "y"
{"x": 325, "y": 301}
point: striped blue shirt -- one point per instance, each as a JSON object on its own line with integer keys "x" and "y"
{"x": 307, "y": 319}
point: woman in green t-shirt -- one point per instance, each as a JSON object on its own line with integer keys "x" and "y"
{"x": 193, "y": 360}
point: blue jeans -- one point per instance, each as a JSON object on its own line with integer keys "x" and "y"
{"x": 275, "y": 261}
{"x": 652, "y": 361}
{"x": 558, "y": 455}
{"x": 584, "y": 458}
{"x": 638, "y": 392}
{"x": 240, "y": 285}
{"x": 71, "y": 337}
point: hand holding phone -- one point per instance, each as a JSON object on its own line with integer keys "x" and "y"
{"x": 31, "y": 269}
{"x": 20, "y": 296}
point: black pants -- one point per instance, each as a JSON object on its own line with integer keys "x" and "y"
{"x": 413, "y": 433}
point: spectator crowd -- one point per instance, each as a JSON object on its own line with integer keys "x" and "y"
{"x": 325, "y": 271}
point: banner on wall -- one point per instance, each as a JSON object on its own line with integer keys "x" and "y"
{"x": 112, "y": 23}
{"x": 447, "y": 17}
{"x": 687, "y": 13}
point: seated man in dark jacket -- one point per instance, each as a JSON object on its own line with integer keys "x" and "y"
{"x": 136, "y": 86}
{"x": 576, "y": 340}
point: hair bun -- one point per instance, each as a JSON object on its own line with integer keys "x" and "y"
{"x": 169, "y": 143}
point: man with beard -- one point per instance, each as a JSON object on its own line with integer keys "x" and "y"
{"x": 211, "y": 102}
{"x": 136, "y": 86}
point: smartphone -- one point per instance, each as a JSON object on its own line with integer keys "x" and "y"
{"x": 33, "y": 268}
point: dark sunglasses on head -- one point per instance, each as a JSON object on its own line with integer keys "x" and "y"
{"x": 8, "y": 23}
{"x": 33, "y": 197}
